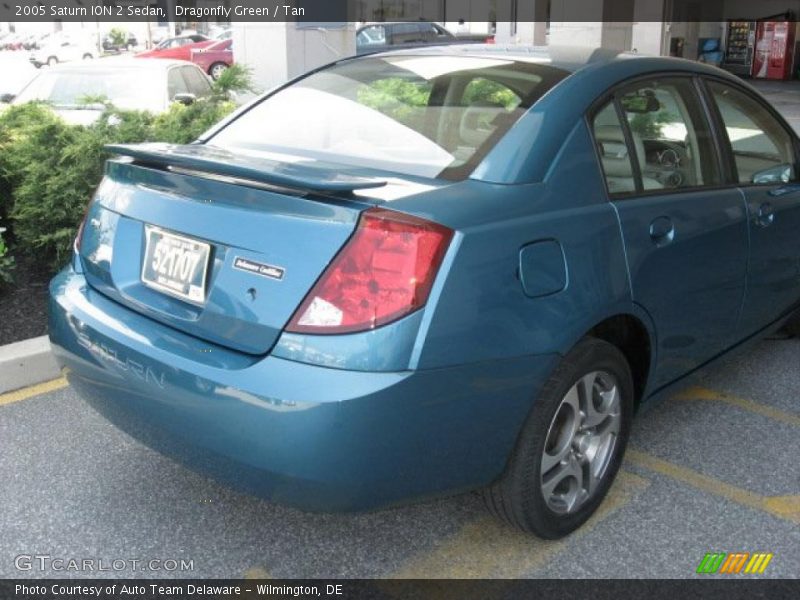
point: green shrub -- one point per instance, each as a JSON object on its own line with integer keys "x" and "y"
{"x": 236, "y": 78}
{"x": 49, "y": 169}
{"x": 6, "y": 262}
{"x": 118, "y": 37}
{"x": 17, "y": 124}
{"x": 183, "y": 124}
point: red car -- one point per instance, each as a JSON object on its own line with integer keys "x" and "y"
{"x": 214, "y": 59}
{"x": 177, "y": 48}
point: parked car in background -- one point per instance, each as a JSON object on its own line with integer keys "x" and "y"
{"x": 64, "y": 47}
{"x": 220, "y": 33}
{"x": 426, "y": 271}
{"x": 13, "y": 41}
{"x": 74, "y": 91}
{"x": 158, "y": 33}
{"x": 15, "y": 73}
{"x": 177, "y": 48}
{"x": 35, "y": 41}
{"x": 214, "y": 59}
{"x": 111, "y": 45}
{"x": 383, "y": 36}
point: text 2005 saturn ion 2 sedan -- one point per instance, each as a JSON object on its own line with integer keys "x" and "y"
{"x": 434, "y": 270}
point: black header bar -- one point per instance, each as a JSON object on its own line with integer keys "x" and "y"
{"x": 333, "y": 12}
{"x": 732, "y": 588}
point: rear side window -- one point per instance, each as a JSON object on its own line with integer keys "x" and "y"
{"x": 671, "y": 136}
{"x": 614, "y": 158}
{"x": 175, "y": 83}
{"x": 196, "y": 81}
{"x": 762, "y": 149}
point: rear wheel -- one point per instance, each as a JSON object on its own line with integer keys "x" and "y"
{"x": 571, "y": 446}
{"x": 52, "y": 61}
{"x": 216, "y": 70}
{"x": 87, "y": 56}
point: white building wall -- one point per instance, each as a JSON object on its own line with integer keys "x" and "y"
{"x": 277, "y": 52}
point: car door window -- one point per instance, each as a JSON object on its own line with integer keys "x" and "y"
{"x": 196, "y": 82}
{"x": 430, "y": 32}
{"x": 762, "y": 149}
{"x": 609, "y": 137}
{"x": 671, "y": 137}
{"x": 407, "y": 33}
{"x": 372, "y": 36}
{"x": 176, "y": 84}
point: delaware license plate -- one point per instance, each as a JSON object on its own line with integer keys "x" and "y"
{"x": 175, "y": 265}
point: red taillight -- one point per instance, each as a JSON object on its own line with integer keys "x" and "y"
{"x": 384, "y": 272}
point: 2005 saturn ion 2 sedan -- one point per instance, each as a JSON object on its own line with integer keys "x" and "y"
{"x": 433, "y": 270}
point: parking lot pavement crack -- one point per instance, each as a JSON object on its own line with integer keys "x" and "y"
{"x": 486, "y": 548}
{"x": 702, "y": 393}
{"x": 784, "y": 507}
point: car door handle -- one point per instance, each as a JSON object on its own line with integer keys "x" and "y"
{"x": 765, "y": 216}
{"x": 662, "y": 231}
{"x": 785, "y": 189}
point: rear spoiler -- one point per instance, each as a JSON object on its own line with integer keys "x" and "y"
{"x": 201, "y": 160}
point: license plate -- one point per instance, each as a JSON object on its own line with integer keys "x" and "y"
{"x": 175, "y": 265}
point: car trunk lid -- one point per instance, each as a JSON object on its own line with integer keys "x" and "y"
{"x": 260, "y": 233}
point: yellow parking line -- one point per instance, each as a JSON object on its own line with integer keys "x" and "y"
{"x": 701, "y": 393}
{"x": 257, "y": 573}
{"x": 34, "y": 390}
{"x": 784, "y": 507}
{"x": 487, "y": 548}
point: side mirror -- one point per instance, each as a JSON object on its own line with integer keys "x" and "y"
{"x": 7, "y": 98}
{"x": 185, "y": 98}
{"x": 779, "y": 174}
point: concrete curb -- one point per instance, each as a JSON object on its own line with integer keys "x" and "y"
{"x": 26, "y": 363}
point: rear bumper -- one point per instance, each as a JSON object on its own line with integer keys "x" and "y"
{"x": 313, "y": 437}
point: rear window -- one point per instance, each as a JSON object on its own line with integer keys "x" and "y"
{"x": 430, "y": 116}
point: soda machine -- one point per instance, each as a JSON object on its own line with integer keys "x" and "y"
{"x": 774, "y": 50}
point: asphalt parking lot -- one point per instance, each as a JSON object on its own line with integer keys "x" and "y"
{"x": 713, "y": 468}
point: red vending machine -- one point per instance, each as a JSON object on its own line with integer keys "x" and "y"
{"x": 774, "y": 52}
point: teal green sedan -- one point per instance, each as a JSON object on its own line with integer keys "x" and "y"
{"x": 423, "y": 272}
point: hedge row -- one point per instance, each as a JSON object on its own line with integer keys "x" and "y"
{"x": 49, "y": 169}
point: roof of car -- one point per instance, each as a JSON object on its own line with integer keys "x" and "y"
{"x": 566, "y": 58}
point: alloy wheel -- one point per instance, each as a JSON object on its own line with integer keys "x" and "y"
{"x": 581, "y": 442}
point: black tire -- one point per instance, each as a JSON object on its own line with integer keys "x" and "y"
{"x": 792, "y": 326}
{"x": 215, "y": 70}
{"x": 517, "y": 497}
{"x": 52, "y": 61}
